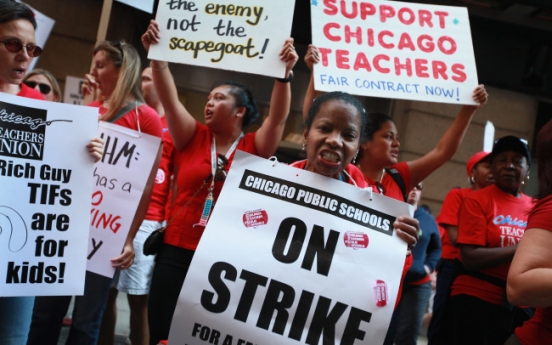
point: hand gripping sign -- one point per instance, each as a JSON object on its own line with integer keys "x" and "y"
{"x": 394, "y": 49}
{"x": 293, "y": 261}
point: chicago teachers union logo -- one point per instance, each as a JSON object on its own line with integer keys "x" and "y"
{"x": 22, "y": 131}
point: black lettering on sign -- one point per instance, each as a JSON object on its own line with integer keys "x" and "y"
{"x": 278, "y": 300}
{"x": 316, "y": 248}
{"x": 316, "y": 199}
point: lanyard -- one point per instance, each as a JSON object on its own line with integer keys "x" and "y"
{"x": 214, "y": 160}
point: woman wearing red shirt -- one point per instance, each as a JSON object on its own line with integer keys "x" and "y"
{"x": 530, "y": 275}
{"x": 491, "y": 223}
{"x": 202, "y": 155}
{"x": 478, "y": 169}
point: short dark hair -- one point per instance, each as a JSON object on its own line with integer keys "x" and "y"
{"x": 13, "y": 10}
{"x": 244, "y": 98}
{"x": 338, "y": 96}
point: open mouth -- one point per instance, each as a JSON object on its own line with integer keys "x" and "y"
{"x": 329, "y": 156}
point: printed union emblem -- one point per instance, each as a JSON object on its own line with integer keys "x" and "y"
{"x": 160, "y": 177}
{"x": 22, "y": 131}
{"x": 356, "y": 240}
{"x": 252, "y": 219}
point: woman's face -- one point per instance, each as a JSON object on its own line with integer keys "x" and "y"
{"x": 333, "y": 139}
{"x": 221, "y": 107}
{"x": 13, "y": 66}
{"x": 105, "y": 73}
{"x": 509, "y": 169}
{"x": 41, "y": 79}
{"x": 481, "y": 172}
{"x": 383, "y": 149}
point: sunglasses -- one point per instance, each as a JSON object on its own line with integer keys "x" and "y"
{"x": 14, "y": 45}
{"x": 44, "y": 88}
{"x": 222, "y": 162}
{"x": 418, "y": 187}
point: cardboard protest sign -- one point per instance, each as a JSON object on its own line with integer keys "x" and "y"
{"x": 299, "y": 257}
{"x": 119, "y": 181}
{"x": 394, "y": 49}
{"x": 46, "y": 179}
{"x": 236, "y": 35}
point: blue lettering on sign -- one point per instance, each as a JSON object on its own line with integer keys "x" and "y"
{"x": 386, "y": 86}
{"x": 501, "y": 220}
{"x": 334, "y": 80}
{"x": 440, "y": 91}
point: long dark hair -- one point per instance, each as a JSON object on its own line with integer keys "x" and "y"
{"x": 544, "y": 159}
{"x": 12, "y": 10}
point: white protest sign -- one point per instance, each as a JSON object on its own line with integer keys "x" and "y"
{"x": 46, "y": 179}
{"x": 119, "y": 181}
{"x": 394, "y": 49}
{"x": 73, "y": 93}
{"x": 143, "y": 5}
{"x": 292, "y": 261}
{"x": 239, "y": 35}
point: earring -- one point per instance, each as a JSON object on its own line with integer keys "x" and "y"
{"x": 472, "y": 179}
{"x": 304, "y": 146}
{"x": 354, "y": 158}
{"x": 238, "y": 114}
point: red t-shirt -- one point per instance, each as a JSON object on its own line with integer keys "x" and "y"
{"x": 159, "y": 195}
{"x": 351, "y": 170}
{"x": 390, "y": 187}
{"x": 147, "y": 120}
{"x": 490, "y": 218}
{"x": 449, "y": 216}
{"x": 27, "y": 92}
{"x": 195, "y": 166}
{"x": 538, "y": 330}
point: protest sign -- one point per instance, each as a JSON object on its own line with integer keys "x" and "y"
{"x": 119, "y": 181}
{"x": 299, "y": 257}
{"x": 143, "y": 5}
{"x": 238, "y": 35}
{"x": 395, "y": 50}
{"x": 46, "y": 179}
{"x": 73, "y": 90}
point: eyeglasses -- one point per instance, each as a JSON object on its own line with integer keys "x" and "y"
{"x": 44, "y": 88}
{"x": 418, "y": 186}
{"x": 15, "y": 46}
{"x": 222, "y": 162}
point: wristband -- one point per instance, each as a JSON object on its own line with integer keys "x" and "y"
{"x": 286, "y": 80}
{"x": 158, "y": 69}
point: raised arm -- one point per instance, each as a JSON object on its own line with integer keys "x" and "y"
{"x": 270, "y": 133}
{"x": 181, "y": 123}
{"x": 449, "y": 142}
{"x": 530, "y": 275}
{"x": 312, "y": 57}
